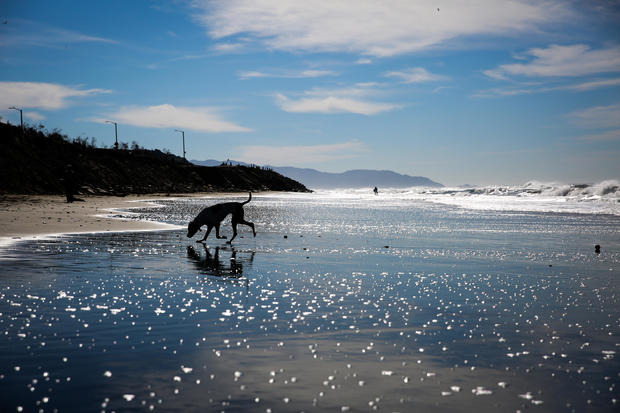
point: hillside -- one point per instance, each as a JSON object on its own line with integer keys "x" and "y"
{"x": 36, "y": 162}
{"x": 358, "y": 178}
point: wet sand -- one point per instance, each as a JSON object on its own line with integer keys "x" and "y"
{"x": 30, "y": 216}
{"x": 465, "y": 311}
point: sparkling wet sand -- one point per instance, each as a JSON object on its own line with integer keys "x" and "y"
{"x": 365, "y": 305}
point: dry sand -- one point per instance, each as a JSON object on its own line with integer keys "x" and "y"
{"x": 25, "y": 216}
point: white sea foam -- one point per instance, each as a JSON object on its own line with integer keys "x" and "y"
{"x": 599, "y": 198}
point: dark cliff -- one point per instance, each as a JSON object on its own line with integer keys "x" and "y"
{"x": 37, "y": 162}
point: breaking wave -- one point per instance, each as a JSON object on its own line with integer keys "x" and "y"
{"x": 599, "y": 198}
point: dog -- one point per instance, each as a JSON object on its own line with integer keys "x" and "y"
{"x": 212, "y": 217}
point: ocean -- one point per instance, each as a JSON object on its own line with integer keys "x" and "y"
{"x": 444, "y": 299}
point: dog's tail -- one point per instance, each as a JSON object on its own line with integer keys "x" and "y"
{"x": 249, "y": 199}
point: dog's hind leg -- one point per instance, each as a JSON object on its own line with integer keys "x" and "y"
{"x": 249, "y": 224}
{"x": 241, "y": 221}
{"x": 234, "y": 227}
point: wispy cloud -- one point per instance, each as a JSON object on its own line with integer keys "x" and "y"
{"x": 610, "y": 135}
{"x": 604, "y": 121}
{"x": 554, "y": 69}
{"x": 526, "y": 89}
{"x": 34, "y": 115}
{"x": 415, "y": 75}
{"x": 28, "y": 33}
{"x": 355, "y": 99}
{"x": 594, "y": 84}
{"x": 562, "y": 61}
{"x": 203, "y": 119}
{"x": 331, "y": 101}
{"x": 598, "y": 116}
{"x": 178, "y": 59}
{"x": 333, "y": 104}
{"x": 288, "y": 75}
{"x": 300, "y": 155}
{"x": 379, "y": 29}
{"x": 228, "y": 47}
{"x": 50, "y": 96}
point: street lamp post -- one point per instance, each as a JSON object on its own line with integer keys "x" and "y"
{"x": 115, "y": 133}
{"x": 183, "y": 133}
{"x": 21, "y": 116}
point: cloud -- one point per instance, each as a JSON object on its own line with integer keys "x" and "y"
{"x": 34, "y": 115}
{"x": 203, "y": 119}
{"x": 228, "y": 47}
{"x": 415, "y": 75}
{"x": 554, "y": 65}
{"x": 495, "y": 74}
{"x": 610, "y": 135}
{"x": 382, "y": 28}
{"x": 50, "y": 96}
{"x": 537, "y": 88}
{"x": 594, "y": 84}
{"x": 604, "y": 119}
{"x": 27, "y": 33}
{"x": 252, "y": 75}
{"x": 333, "y": 104}
{"x": 289, "y": 75}
{"x": 598, "y": 116}
{"x": 562, "y": 61}
{"x": 358, "y": 89}
{"x": 300, "y": 155}
{"x": 352, "y": 99}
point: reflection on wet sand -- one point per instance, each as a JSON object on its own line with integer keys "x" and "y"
{"x": 334, "y": 371}
{"x": 456, "y": 320}
{"x": 212, "y": 264}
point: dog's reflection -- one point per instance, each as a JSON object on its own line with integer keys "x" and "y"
{"x": 211, "y": 264}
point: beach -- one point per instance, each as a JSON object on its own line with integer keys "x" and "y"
{"x": 343, "y": 301}
{"x": 28, "y": 216}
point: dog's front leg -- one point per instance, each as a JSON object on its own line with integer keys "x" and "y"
{"x": 206, "y": 234}
{"x": 217, "y": 232}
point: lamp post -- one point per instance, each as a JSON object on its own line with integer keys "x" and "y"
{"x": 21, "y": 116}
{"x": 183, "y": 133}
{"x": 115, "y": 133}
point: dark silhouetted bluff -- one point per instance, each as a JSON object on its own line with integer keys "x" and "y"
{"x": 36, "y": 162}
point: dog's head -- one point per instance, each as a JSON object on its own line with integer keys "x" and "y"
{"x": 192, "y": 229}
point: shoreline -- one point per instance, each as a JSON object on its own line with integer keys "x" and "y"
{"x": 31, "y": 217}
{"x": 35, "y": 217}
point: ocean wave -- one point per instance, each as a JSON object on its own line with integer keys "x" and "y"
{"x": 609, "y": 189}
{"x": 598, "y": 198}
{"x": 534, "y": 196}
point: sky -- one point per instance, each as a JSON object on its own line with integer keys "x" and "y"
{"x": 483, "y": 92}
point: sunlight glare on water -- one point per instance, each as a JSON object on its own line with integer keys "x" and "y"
{"x": 339, "y": 303}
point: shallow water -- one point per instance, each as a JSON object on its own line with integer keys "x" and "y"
{"x": 338, "y": 304}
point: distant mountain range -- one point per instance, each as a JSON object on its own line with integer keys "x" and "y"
{"x": 358, "y": 178}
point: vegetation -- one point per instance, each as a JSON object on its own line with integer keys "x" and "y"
{"x": 37, "y": 161}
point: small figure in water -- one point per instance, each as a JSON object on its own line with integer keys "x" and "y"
{"x": 376, "y": 191}
{"x": 597, "y": 249}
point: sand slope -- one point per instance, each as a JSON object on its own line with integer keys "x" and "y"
{"x": 27, "y": 216}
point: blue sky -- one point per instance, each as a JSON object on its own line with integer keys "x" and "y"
{"x": 478, "y": 92}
